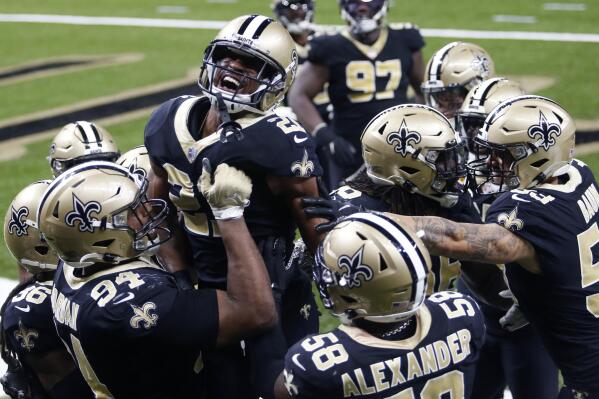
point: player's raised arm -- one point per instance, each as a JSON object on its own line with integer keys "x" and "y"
{"x": 248, "y": 304}
{"x": 488, "y": 243}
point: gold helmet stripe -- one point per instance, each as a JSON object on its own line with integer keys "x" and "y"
{"x": 407, "y": 248}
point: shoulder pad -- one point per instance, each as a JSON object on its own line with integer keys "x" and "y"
{"x": 327, "y": 30}
{"x": 403, "y": 25}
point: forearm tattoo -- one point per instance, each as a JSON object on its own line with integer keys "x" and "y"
{"x": 477, "y": 242}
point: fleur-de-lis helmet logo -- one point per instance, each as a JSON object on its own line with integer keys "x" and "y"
{"x": 480, "y": 63}
{"x": 354, "y": 271}
{"x": 83, "y": 213}
{"x": 547, "y": 132}
{"x": 403, "y": 139}
{"x": 136, "y": 170}
{"x": 17, "y": 223}
{"x": 510, "y": 220}
{"x": 304, "y": 167}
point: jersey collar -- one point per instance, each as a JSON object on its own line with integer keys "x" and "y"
{"x": 371, "y": 51}
{"x": 423, "y": 325}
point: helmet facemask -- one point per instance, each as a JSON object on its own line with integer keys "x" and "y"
{"x": 363, "y": 23}
{"x": 268, "y": 82}
{"x": 468, "y": 125}
{"x": 446, "y": 99}
{"x": 295, "y": 15}
{"x": 495, "y": 167}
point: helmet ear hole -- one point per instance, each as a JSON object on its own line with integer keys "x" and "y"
{"x": 348, "y": 299}
{"x": 409, "y": 170}
{"x": 104, "y": 243}
{"x": 539, "y": 163}
{"x": 382, "y": 263}
{"x": 55, "y": 210}
{"x": 41, "y": 249}
{"x": 362, "y": 236}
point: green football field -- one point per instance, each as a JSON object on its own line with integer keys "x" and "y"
{"x": 143, "y": 57}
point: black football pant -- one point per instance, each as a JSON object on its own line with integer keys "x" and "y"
{"x": 249, "y": 369}
{"x": 518, "y": 360}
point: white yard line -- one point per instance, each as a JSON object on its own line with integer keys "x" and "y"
{"x": 565, "y": 6}
{"x": 199, "y": 24}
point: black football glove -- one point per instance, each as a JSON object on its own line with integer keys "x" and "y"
{"x": 341, "y": 149}
{"x": 328, "y": 209}
{"x": 14, "y": 382}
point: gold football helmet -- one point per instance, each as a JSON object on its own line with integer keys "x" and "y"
{"x": 479, "y": 102}
{"x": 264, "y": 46}
{"x": 370, "y": 267}
{"x": 451, "y": 72}
{"x": 415, "y": 147}
{"x": 136, "y": 160}
{"x": 80, "y": 142}
{"x": 523, "y": 142}
{"x": 21, "y": 234}
{"x": 97, "y": 212}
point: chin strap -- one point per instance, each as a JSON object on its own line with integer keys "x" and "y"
{"x": 227, "y": 125}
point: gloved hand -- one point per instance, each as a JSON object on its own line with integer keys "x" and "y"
{"x": 227, "y": 191}
{"x": 513, "y": 319}
{"x": 14, "y": 382}
{"x": 342, "y": 150}
{"x": 328, "y": 209}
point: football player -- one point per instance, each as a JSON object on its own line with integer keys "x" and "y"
{"x": 415, "y": 165}
{"x": 297, "y": 16}
{"x": 246, "y": 72}
{"x": 39, "y": 365}
{"x": 368, "y": 67}
{"x": 80, "y": 142}
{"x": 133, "y": 332}
{"x": 392, "y": 343}
{"x": 76, "y": 143}
{"x": 543, "y": 227}
{"x": 452, "y": 72}
{"x": 513, "y": 353}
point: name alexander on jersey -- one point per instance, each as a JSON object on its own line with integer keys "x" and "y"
{"x": 429, "y": 359}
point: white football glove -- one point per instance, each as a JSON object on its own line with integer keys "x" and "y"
{"x": 227, "y": 191}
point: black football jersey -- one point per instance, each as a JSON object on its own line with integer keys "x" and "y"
{"x": 444, "y": 271}
{"x": 30, "y": 332}
{"x": 272, "y": 145}
{"x": 562, "y": 302}
{"x": 364, "y": 80}
{"x": 28, "y": 320}
{"x": 133, "y": 332}
{"x": 349, "y": 362}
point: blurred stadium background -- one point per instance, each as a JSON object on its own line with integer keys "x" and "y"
{"x": 116, "y": 66}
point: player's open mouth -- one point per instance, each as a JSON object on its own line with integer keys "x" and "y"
{"x": 229, "y": 83}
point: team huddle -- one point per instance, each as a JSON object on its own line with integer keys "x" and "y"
{"x": 448, "y": 227}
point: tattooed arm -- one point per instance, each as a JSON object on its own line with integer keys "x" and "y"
{"x": 488, "y": 243}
